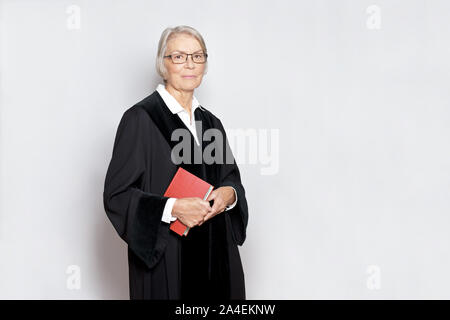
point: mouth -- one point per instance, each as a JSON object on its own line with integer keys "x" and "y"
{"x": 189, "y": 77}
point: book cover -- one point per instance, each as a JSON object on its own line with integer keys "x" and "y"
{"x": 185, "y": 184}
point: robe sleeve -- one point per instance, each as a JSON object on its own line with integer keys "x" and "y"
{"x": 230, "y": 176}
{"x": 135, "y": 214}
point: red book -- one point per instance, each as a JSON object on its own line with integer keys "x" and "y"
{"x": 185, "y": 184}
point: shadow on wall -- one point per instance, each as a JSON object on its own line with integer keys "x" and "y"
{"x": 112, "y": 262}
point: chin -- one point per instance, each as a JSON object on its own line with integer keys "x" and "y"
{"x": 190, "y": 84}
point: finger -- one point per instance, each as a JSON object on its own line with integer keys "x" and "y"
{"x": 206, "y": 204}
{"x": 209, "y": 216}
{"x": 205, "y": 210}
{"x": 212, "y": 195}
{"x": 218, "y": 203}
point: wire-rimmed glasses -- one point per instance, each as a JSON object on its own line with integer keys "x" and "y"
{"x": 181, "y": 57}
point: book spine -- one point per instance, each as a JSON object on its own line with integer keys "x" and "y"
{"x": 207, "y": 193}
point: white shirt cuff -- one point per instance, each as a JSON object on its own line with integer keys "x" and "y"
{"x": 234, "y": 203}
{"x": 167, "y": 213}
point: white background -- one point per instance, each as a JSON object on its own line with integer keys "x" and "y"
{"x": 361, "y": 102}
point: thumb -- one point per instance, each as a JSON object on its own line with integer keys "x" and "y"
{"x": 212, "y": 196}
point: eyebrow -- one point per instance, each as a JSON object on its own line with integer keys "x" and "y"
{"x": 186, "y": 52}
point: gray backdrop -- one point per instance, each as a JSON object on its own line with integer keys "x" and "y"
{"x": 343, "y": 108}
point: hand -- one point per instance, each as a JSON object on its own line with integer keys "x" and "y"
{"x": 222, "y": 197}
{"x": 191, "y": 211}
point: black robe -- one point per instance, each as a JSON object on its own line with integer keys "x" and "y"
{"x": 206, "y": 263}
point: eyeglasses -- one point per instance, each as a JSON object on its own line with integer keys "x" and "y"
{"x": 179, "y": 58}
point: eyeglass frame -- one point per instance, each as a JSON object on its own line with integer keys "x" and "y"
{"x": 187, "y": 56}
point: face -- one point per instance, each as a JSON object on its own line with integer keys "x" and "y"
{"x": 186, "y": 76}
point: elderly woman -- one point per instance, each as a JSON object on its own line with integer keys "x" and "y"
{"x": 162, "y": 264}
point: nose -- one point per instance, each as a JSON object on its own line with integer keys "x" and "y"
{"x": 189, "y": 62}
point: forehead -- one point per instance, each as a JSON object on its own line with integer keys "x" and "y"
{"x": 183, "y": 43}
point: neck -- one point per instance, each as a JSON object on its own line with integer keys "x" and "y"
{"x": 184, "y": 98}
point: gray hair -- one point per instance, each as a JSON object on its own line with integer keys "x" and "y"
{"x": 168, "y": 34}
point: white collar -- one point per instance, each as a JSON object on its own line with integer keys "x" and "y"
{"x": 173, "y": 104}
